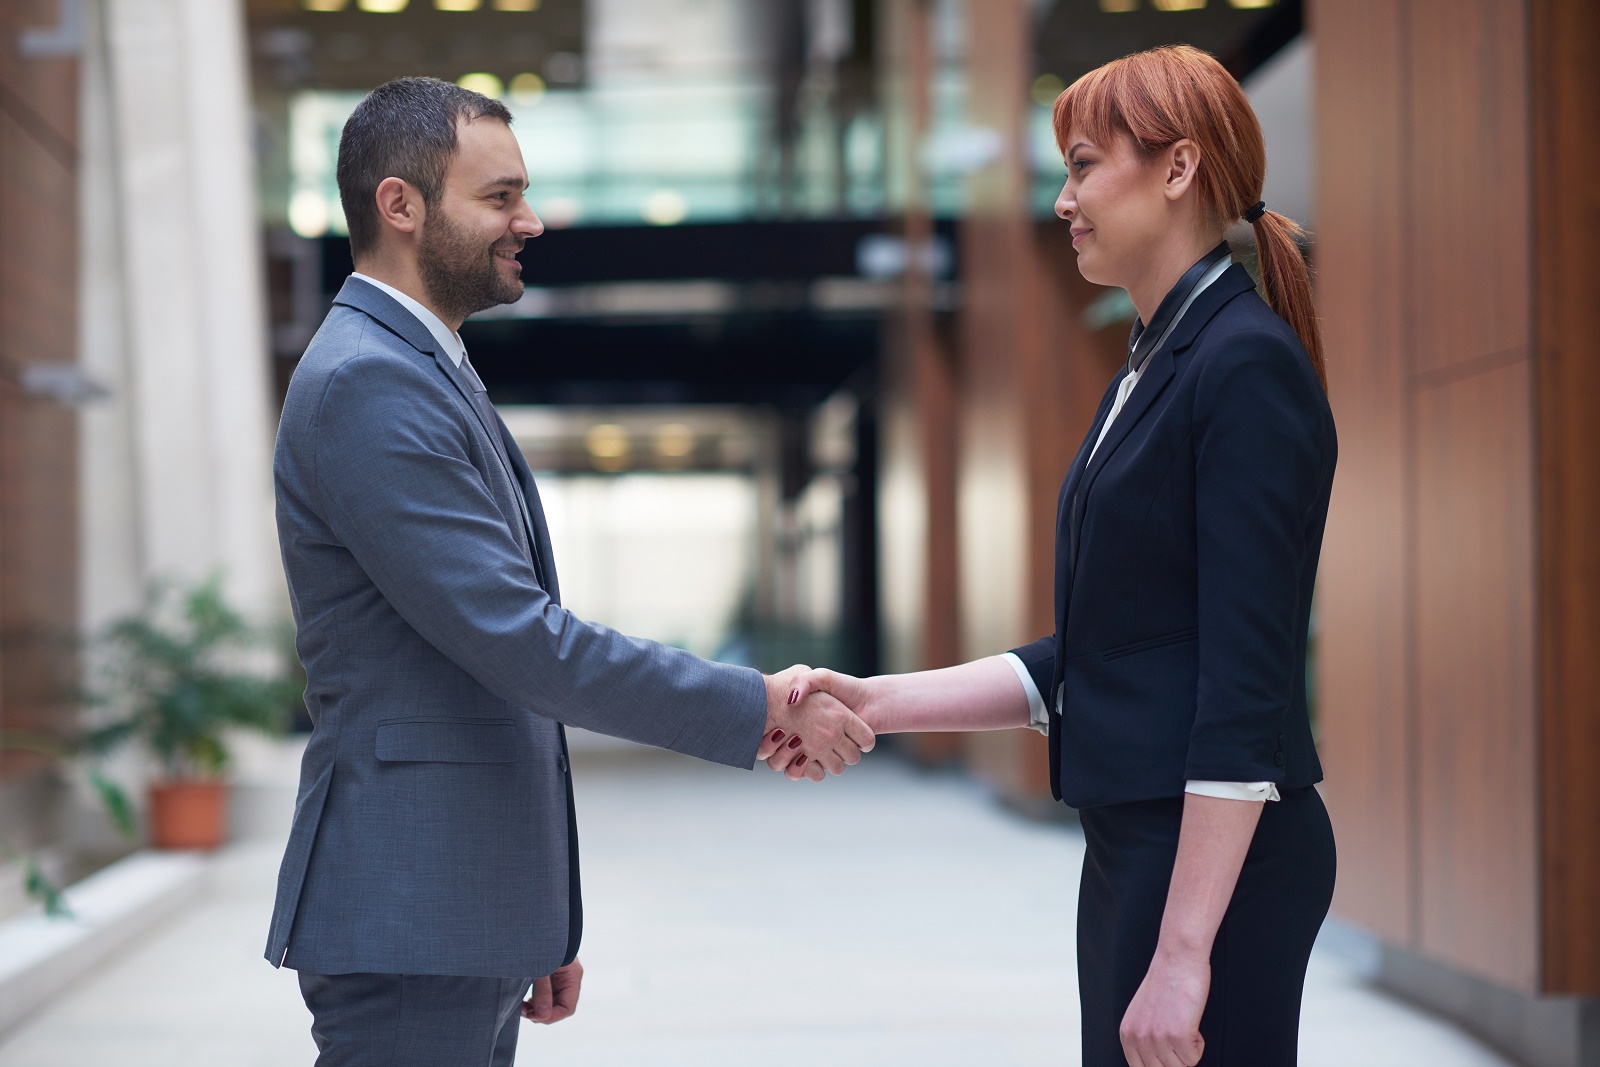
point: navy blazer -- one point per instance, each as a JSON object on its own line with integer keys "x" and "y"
{"x": 1186, "y": 555}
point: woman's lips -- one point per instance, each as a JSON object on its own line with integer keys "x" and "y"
{"x": 1079, "y": 234}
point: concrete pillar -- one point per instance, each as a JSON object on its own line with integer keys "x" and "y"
{"x": 176, "y": 468}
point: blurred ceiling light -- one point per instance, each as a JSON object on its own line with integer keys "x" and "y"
{"x": 608, "y": 445}
{"x": 1118, "y": 7}
{"x": 1179, "y": 5}
{"x": 324, "y": 5}
{"x": 516, "y": 5}
{"x": 382, "y": 7}
{"x": 664, "y": 207}
{"x": 1251, "y": 5}
{"x": 457, "y": 5}
{"x": 674, "y": 441}
{"x": 479, "y": 82}
{"x": 527, "y": 89}
{"x": 559, "y": 212}
{"x": 1045, "y": 89}
{"x": 308, "y": 213}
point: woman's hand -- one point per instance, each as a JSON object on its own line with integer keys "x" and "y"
{"x": 818, "y": 683}
{"x": 1162, "y": 1025}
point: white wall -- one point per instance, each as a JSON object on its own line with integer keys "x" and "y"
{"x": 1280, "y": 93}
{"x": 176, "y": 467}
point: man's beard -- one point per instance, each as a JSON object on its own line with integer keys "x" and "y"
{"x": 460, "y": 275}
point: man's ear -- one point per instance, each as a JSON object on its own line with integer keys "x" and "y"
{"x": 1183, "y": 167}
{"x": 400, "y": 206}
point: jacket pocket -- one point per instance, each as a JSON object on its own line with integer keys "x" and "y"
{"x": 1175, "y": 638}
{"x": 446, "y": 741}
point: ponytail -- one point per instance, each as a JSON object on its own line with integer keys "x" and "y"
{"x": 1286, "y": 283}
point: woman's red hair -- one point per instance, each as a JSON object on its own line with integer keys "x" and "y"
{"x": 1167, "y": 94}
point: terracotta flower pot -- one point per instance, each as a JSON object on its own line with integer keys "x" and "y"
{"x": 188, "y": 814}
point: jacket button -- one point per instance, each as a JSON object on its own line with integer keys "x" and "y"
{"x": 561, "y": 764}
{"x": 1277, "y": 759}
{"x": 1281, "y": 739}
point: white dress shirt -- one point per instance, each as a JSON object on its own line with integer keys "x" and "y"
{"x": 448, "y": 339}
{"x": 1037, "y": 717}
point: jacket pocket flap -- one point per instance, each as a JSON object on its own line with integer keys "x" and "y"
{"x": 1151, "y": 644}
{"x": 447, "y": 741}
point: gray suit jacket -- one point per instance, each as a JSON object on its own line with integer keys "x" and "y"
{"x": 433, "y": 831}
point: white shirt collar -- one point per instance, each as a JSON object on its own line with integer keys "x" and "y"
{"x": 448, "y": 339}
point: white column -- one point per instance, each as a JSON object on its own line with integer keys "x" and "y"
{"x": 177, "y": 466}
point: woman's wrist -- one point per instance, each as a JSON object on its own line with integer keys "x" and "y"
{"x": 873, "y": 709}
{"x": 1182, "y": 950}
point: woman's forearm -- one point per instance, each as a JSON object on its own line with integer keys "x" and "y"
{"x": 1212, "y": 843}
{"x": 985, "y": 694}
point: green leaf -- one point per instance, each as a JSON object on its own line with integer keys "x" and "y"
{"x": 40, "y": 888}
{"x": 116, "y": 803}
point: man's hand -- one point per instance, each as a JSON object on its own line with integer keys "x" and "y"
{"x": 1162, "y": 1025}
{"x": 809, "y": 736}
{"x": 555, "y": 997}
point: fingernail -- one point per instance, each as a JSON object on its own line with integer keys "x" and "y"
{"x": 795, "y": 743}
{"x": 801, "y": 762}
{"x": 777, "y": 735}
{"x": 794, "y": 694}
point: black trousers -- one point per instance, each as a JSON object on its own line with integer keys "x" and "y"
{"x": 1258, "y": 963}
{"x": 413, "y": 1020}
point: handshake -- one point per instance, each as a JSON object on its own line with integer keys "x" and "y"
{"x": 817, "y": 723}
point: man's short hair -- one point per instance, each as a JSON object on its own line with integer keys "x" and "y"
{"x": 405, "y": 128}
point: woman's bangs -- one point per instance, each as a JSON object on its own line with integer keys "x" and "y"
{"x": 1091, "y": 105}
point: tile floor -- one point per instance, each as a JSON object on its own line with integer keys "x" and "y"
{"x": 888, "y": 917}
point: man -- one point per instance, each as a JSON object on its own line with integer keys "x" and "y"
{"x": 431, "y": 874}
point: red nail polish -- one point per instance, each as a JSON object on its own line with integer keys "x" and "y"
{"x": 794, "y": 694}
{"x": 801, "y": 762}
{"x": 795, "y": 744}
{"x": 777, "y": 735}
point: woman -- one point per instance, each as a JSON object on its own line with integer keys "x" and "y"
{"x": 1189, "y": 528}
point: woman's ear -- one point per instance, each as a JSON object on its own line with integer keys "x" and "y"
{"x": 1182, "y": 161}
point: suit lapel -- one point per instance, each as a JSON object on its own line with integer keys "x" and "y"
{"x": 1157, "y": 373}
{"x": 1069, "y": 487}
{"x": 392, "y": 316}
{"x": 535, "y": 512}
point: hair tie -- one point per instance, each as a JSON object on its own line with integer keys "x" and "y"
{"x": 1256, "y": 212}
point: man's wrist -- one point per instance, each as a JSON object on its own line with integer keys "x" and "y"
{"x": 777, "y": 690}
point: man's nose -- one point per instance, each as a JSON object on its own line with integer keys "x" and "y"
{"x": 527, "y": 224}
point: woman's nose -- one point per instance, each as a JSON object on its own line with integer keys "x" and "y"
{"x": 1065, "y": 205}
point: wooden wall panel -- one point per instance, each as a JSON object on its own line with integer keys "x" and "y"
{"x": 1466, "y": 105}
{"x": 1012, "y": 437}
{"x": 1565, "y": 56}
{"x": 38, "y": 324}
{"x": 1475, "y": 759}
{"x": 1363, "y": 714}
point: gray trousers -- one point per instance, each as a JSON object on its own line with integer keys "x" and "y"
{"x": 413, "y": 1020}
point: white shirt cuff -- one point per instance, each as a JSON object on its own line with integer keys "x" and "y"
{"x": 1258, "y": 791}
{"x": 1038, "y": 719}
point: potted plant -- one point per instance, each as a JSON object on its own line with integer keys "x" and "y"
{"x": 177, "y": 677}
